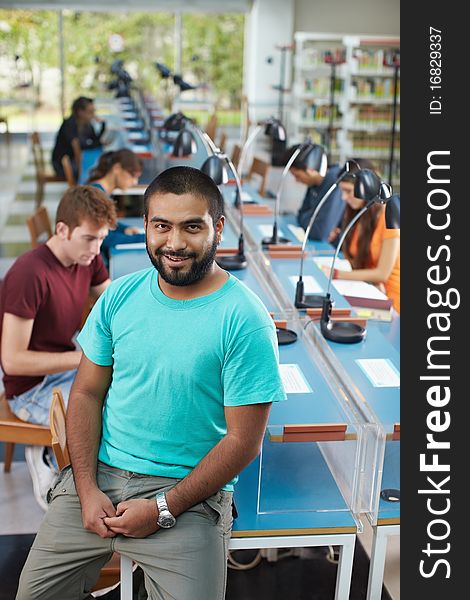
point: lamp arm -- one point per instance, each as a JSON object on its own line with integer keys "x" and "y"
{"x": 206, "y": 140}
{"x": 246, "y": 145}
{"x": 343, "y": 236}
{"x": 312, "y": 220}
{"x": 239, "y": 191}
{"x": 283, "y": 176}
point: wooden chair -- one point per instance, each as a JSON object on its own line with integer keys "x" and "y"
{"x": 261, "y": 168}
{"x": 15, "y": 431}
{"x": 39, "y": 226}
{"x": 236, "y": 153}
{"x": 111, "y": 573}
{"x": 211, "y": 127}
{"x": 222, "y": 141}
{"x": 42, "y": 176}
{"x": 68, "y": 170}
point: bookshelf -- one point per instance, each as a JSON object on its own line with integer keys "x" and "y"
{"x": 359, "y": 120}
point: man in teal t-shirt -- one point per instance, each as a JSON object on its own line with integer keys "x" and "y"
{"x": 170, "y": 403}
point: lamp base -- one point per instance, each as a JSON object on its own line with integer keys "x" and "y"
{"x": 285, "y": 336}
{"x": 232, "y": 262}
{"x": 271, "y": 241}
{"x": 311, "y": 301}
{"x": 343, "y": 333}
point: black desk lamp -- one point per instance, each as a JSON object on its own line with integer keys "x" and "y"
{"x": 214, "y": 167}
{"x": 392, "y": 212}
{"x": 304, "y": 156}
{"x": 370, "y": 188}
{"x": 272, "y": 127}
{"x": 176, "y": 122}
{"x": 184, "y": 144}
{"x": 303, "y": 300}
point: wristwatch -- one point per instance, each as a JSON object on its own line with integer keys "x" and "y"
{"x": 165, "y": 518}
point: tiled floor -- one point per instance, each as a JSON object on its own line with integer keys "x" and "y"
{"x": 295, "y": 578}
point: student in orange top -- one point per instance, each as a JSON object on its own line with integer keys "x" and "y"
{"x": 371, "y": 248}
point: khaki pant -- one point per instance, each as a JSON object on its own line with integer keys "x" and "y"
{"x": 186, "y": 562}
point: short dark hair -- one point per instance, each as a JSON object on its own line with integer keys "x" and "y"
{"x": 85, "y": 202}
{"x": 187, "y": 180}
{"x": 80, "y": 104}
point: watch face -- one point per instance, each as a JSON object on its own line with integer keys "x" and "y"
{"x": 166, "y": 520}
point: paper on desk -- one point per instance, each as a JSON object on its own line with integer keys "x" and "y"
{"x": 310, "y": 284}
{"x": 246, "y": 197}
{"x": 293, "y": 379}
{"x": 380, "y": 371}
{"x": 133, "y": 246}
{"x": 325, "y": 261}
{"x": 267, "y": 231}
{"x": 359, "y": 289}
{"x": 297, "y": 231}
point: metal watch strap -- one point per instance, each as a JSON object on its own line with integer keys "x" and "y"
{"x": 165, "y": 518}
{"x": 161, "y": 502}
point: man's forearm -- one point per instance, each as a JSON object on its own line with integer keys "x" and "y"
{"x": 230, "y": 456}
{"x": 84, "y": 416}
{"x": 30, "y": 362}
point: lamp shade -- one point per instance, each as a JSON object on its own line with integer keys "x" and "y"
{"x": 392, "y": 212}
{"x": 312, "y": 156}
{"x": 175, "y": 122}
{"x": 163, "y": 70}
{"x": 367, "y": 185}
{"x": 185, "y": 144}
{"x": 215, "y": 168}
{"x": 275, "y": 129}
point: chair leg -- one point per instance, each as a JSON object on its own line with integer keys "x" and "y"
{"x": 39, "y": 193}
{"x": 9, "y": 448}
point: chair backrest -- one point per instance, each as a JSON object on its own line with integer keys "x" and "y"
{"x": 58, "y": 432}
{"x": 68, "y": 170}
{"x": 39, "y": 226}
{"x": 236, "y": 153}
{"x": 261, "y": 168}
{"x": 211, "y": 127}
{"x": 38, "y": 155}
{"x": 222, "y": 141}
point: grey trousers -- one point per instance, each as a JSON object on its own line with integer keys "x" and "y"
{"x": 186, "y": 562}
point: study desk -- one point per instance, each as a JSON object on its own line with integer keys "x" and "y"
{"x": 380, "y": 407}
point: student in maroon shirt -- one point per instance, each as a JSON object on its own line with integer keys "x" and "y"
{"x": 42, "y": 300}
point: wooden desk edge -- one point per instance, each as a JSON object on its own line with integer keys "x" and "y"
{"x": 290, "y": 532}
{"x": 391, "y": 521}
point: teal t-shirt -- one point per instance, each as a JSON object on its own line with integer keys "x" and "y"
{"x": 176, "y": 364}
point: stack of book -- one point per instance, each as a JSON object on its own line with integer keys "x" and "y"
{"x": 368, "y": 301}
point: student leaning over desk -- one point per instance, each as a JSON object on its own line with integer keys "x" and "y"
{"x": 119, "y": 169}
{"x": 42, "y": 300}
{"x": 371, "y": 248}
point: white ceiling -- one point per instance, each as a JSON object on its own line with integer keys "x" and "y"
{"x": 216, "y": 6}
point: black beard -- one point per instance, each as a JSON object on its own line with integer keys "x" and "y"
{"x": 197, "y": 271}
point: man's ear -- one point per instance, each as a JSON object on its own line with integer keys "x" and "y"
{"x": 219, "y": 227}
{"x": 62, "y": 230}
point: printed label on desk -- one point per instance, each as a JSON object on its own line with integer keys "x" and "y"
{"x": 293, "y": 380}
{"x": 297, "y": 232}
{"x": 380, "y": 371}
{"x": 267, "y": 231}
{"x": 311, "y": 285}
